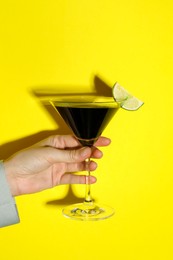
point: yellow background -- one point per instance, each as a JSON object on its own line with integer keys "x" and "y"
{"x": 67, "y": 45}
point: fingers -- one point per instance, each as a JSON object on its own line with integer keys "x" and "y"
{"x": 69, "y": 141}
{"x": 102, "y": 141}
{"x": 76, "y": 179}
{"x": 70, "y": 178}
{"x": 53, "y": 155}
{"x": 82, "y": 166}
{"x": 60, "y": 141}
{"x": 96, "y": 153}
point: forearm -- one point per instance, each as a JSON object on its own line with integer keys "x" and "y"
{"x": 8, "y": 210}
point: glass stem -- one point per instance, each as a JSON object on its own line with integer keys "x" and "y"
{"x": 88, "y": 198}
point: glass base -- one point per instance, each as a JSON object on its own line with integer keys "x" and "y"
{"x": 83, "y": 211}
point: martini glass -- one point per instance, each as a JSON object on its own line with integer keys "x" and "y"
{"x": 87, "y": 117}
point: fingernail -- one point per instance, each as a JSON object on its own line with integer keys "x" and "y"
{"x": 108, "y": 141}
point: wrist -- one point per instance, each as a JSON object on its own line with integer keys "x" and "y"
{"x": 10, "y": 177}
{"x": 8, "y": 210}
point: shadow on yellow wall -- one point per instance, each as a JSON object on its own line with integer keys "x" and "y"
{"x": 99, "y": 88}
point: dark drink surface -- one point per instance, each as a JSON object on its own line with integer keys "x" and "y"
{"x": 87, "y": 123}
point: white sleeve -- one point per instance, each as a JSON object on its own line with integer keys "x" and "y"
{"x": 8, "y": 210}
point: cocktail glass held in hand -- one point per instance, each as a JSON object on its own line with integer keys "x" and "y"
{"x": 87, "y": 116}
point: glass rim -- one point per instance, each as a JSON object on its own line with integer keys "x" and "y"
{"x": 81, "y": 99}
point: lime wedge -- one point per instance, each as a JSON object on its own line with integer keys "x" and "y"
{"x": 125, "y": 99}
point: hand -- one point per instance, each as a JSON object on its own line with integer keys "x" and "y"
{"x": 50, "y": 163}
